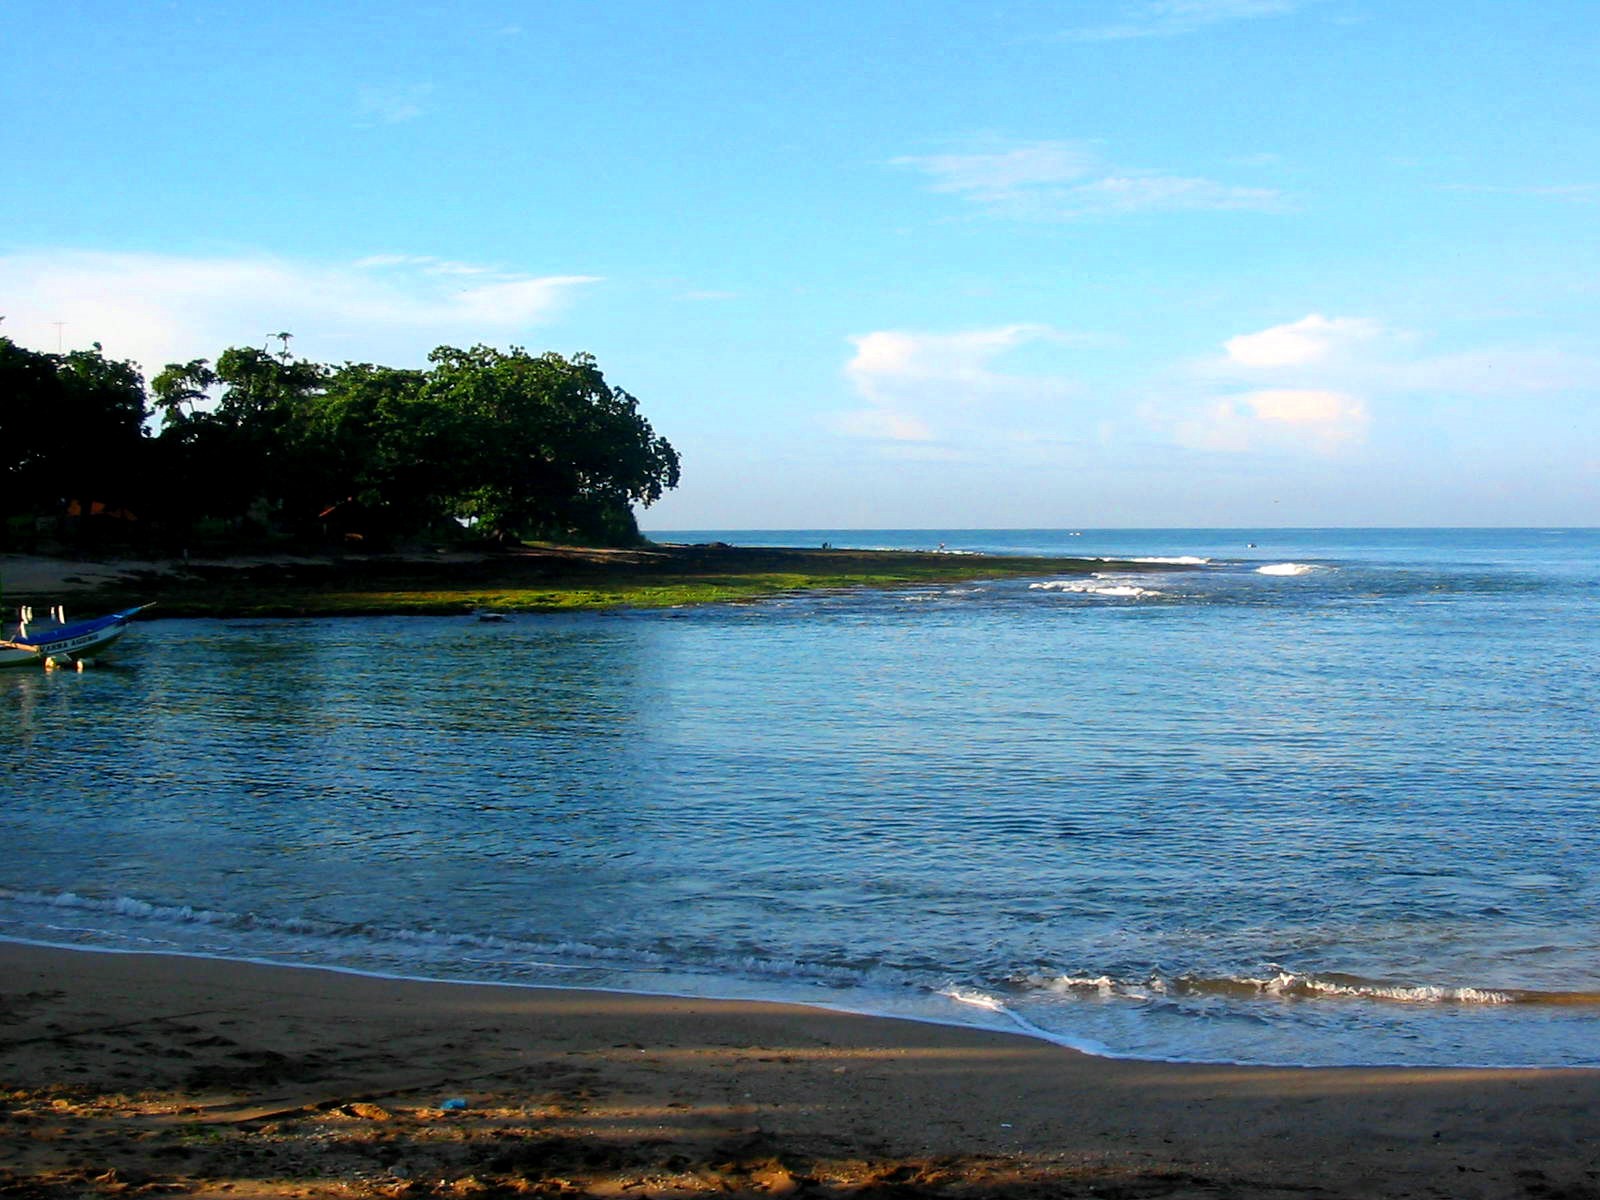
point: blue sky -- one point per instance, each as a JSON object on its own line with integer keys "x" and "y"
{"x": 1104, "y": 263}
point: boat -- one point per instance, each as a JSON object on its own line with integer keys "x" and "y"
{"x": 57, "y": 642}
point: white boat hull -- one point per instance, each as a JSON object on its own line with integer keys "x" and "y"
{"x": 69, "y": 642}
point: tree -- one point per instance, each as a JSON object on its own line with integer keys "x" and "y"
{"x": 521, "y": 445}
{"x": 372, "y": 442}
{"x": 550, "y": 449}
{"x": 181, "y": 388}
{"x": 71, "y": 429}
{"x": 29, "y": 386}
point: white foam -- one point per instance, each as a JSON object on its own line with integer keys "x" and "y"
{"x": 1288, "y": 568}
{"x": 1285, "y": 985}
{"x": 1168, "y": 560}
{"x": 1126, "y": 591}
{"x": 973, "y": 998}
{"x": 1101, "y": 985}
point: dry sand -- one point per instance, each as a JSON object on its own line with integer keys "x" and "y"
{"x": 144, "y": 1074}
{"x": 35, "y": 576}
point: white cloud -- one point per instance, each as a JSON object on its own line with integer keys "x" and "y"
{"x": 1152, "y": 192}
{"x": 1066, "y": 180}
{"x": 1362, "y": 355}
{"x": 1307, "y": 409}
{"x": 1312, "y": 339}
{"x": 891, "y": 365}
{"x": 156, "y": 309}
{"x": 1308, "y": 388}
{"x": 1005, "y": 169}
{"x": 1321, "y": 383}
{"x": 921, "y": 387}
{"x": 1172, "y": 18}
{"x": 513, "y": 302}
{"x": 1276, "y": 419}
{"x": 422, "y": 262}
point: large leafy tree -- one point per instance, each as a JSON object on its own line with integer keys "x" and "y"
{"x": 266, "y": 402}
{"x": 551, "y": 450}
{"x": 71, "y": 429}
{"x": 373, "y": 443}
{"x": 519, "y": 445}
{"x": 234, "y": 438}
{"x": 29, "y": 387}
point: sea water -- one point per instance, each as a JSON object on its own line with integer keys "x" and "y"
{"x": 1303, "y": 797}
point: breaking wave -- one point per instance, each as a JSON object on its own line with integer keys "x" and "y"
{"x": 1125, "y": 591}
{"x": 1288, "y": 985}
{"x": 1288, "y": 568}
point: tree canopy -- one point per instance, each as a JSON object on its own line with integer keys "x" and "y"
{"x": 512, "y": 444}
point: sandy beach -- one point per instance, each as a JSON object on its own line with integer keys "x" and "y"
{"x": 144, "y": 1074}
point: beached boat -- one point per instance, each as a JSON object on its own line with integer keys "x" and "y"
{"x": 58, "y": 642}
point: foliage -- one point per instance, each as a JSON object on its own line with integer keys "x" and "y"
{"x": 511, "y": 444}
{"x": 72, "y": 435}
{"x": 548, "y": 449}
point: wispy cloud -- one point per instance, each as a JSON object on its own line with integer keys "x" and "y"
{"x": 424, "y": 263}
{"x": 999, "y": 171}
{"x": 947, "y": 387}
{"x": 1174, "y": 18}
{"x": 1359, "y": 354}
{"x": 393, "y": 105}
{"x": 1066, "y": 180}
{"x": 1312, "y": 339}
{"x": 156, "y": 309}
{"x": 1320, "y": 384}
{"x": 1276, "y": 418}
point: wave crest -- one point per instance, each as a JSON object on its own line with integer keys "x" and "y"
{"x": 1123, "y": 591}
{"x": 1288, "y": 985}
{"x": 1287, "y": 568}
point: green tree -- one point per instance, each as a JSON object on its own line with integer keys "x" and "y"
{"x": 245, "y": 451}
{"x": 28, "y": 390}
{"x": 551, "y": 450}
{"x": 521, "y": 445}
{"x": 71, "y": 429}
{"x": 372, "y": 442}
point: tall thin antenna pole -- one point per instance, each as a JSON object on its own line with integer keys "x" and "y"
{"x": 58, "y": 325}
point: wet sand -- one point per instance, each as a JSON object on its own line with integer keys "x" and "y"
{"x": 144, "y": 1074}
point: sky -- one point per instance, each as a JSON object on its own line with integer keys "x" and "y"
{"x": 1091, "y": 263}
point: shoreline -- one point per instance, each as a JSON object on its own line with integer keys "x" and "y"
{"x": 131, "y": 1071}
{"x": 533, "y": 578}
{"x": 1015, "y": 1025}
{"x": 1007, "y": 1023}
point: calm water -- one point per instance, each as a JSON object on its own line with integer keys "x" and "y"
{"x": 1334, "y": 798}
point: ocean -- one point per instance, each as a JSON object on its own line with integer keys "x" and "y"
{"x": 1305, "y": 797}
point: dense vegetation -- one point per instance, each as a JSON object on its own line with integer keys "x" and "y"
{"x": 266, "y": 446}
